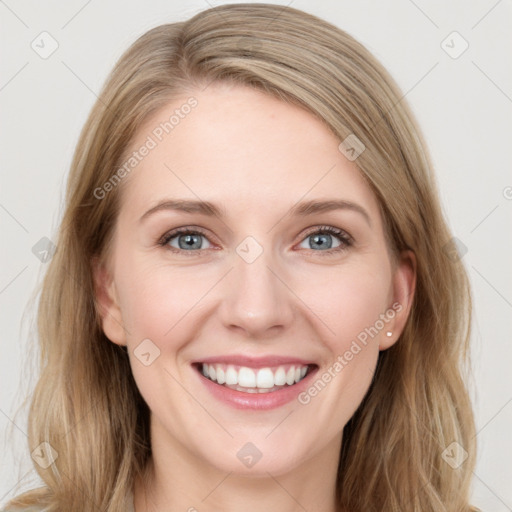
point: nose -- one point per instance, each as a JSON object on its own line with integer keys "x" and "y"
{"x": 255, "y": 297}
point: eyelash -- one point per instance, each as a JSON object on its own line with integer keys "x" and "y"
{"x": 345, "y": 239}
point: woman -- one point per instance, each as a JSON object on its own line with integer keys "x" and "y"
{"x": 252, "y": 305}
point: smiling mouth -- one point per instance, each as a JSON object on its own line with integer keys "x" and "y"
{"x": 255, "y": 380}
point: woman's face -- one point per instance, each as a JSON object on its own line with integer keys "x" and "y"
{"x": 276, "y": 286}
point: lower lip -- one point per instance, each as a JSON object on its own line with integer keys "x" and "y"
{"x": 256, "y": 401}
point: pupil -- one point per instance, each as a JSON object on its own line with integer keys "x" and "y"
{"x": 189, "y": 242}
{"x": 327, "y": 242}
{"x": 194, "y": 241}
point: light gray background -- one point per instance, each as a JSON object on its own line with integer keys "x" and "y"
{"x": 464, "y": 107}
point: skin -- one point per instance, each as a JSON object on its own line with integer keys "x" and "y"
{"x": 256, "y": 157}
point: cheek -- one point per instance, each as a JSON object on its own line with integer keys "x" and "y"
{"x": 348, "y": 300}
{"x": 157, "y": 303}
{"x": 352, "y": 308}
{"x": 155, "y": 298}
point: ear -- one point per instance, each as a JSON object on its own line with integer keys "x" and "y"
{"x": 107, "y": 303}
{"x": 404, "y": 285}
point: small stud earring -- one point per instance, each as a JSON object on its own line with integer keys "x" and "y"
{"x": 389, "y": 334}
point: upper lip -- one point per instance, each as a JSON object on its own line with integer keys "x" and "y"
{"x": 255, "y": 362}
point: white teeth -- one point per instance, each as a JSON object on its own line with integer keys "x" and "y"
{"x": 254, "y": 380}
{"x": 221, "y": 376}
{"x": 246, "y": 377}
{"x": 231, "y": 376}
{"x": 280, "y": 377}
{"x": 290, "y": 376}
{"x": 265, "y": 378}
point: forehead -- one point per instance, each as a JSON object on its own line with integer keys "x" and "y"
{"x": 243, "y": 149}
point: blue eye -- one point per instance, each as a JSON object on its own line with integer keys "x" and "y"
{"x": 322, "y": 238}
{"x": 186, "y": 240}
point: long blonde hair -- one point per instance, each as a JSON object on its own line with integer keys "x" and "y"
{"x": 86, "y": 404}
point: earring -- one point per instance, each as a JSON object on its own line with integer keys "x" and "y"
{"x": 389, "y": 334}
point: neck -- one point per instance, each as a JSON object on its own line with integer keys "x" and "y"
{"x": 176, "y": 479}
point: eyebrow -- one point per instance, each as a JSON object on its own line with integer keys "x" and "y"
{"x": 301, "y": 209}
